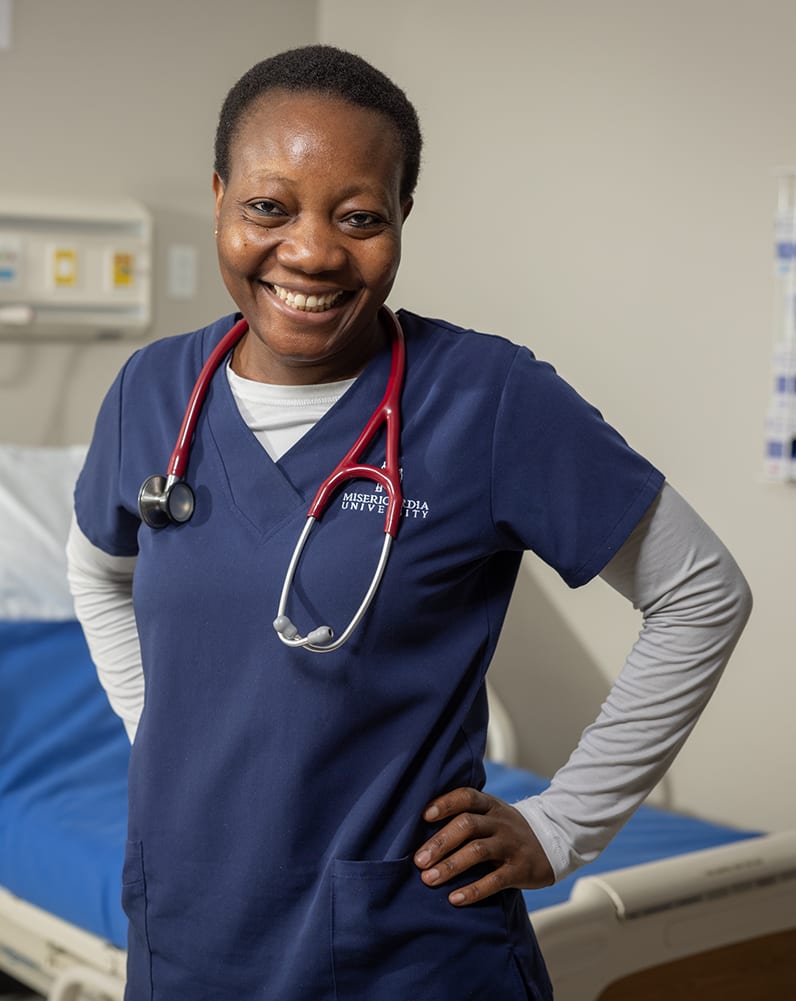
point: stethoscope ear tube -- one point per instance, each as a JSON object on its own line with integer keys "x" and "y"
{"x": 319, "y": 640}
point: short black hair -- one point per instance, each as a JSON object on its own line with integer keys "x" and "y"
{"x": 326, "y": 70}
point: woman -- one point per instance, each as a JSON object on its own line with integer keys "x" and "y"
{"x": 306, "y": 826}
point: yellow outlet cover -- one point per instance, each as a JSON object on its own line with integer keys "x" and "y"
{"x": 123, "y": 270}
{"x": 65, "y": 272}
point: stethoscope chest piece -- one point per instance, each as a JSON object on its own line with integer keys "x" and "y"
{"x": 162, "y": 503}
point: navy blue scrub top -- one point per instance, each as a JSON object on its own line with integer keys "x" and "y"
{"x": 276, "y": 795}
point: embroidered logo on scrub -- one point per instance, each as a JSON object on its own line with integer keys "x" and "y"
{"x": 374, "y": 499}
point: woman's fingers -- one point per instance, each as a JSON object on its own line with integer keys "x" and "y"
{"x": 481, "y": 829}
{"x": 439, "y": 858}
{"x": 457, "y": 801}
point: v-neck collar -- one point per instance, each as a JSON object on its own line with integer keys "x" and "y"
{"x": 268, "y": 492}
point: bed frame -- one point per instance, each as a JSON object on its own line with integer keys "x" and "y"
{"x": 718, "y": 923}
{"x": 55, "y": 958}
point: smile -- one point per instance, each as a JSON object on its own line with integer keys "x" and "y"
{"x": 308, "y": 303}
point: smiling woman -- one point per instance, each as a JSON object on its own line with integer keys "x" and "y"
{"x": 308, "y": 224}
{"x": 316, "y": 827}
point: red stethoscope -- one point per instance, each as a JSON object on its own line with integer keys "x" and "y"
{"x": 165, "y": 500}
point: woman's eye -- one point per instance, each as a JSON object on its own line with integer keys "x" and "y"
{"x": 265, "y": 207}
{"x": 364, "y": 220}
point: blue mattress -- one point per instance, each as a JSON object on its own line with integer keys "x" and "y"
{"x": 63, "y": 788}
{"x": 63, "y": 779}
{"x": 651, "y": 834}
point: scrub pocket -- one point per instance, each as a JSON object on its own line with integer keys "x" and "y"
{"x": 395, "y": 937}
{"x": 139, "y": 976}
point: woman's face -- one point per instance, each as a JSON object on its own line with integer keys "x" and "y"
{"x": 309, "y": 234}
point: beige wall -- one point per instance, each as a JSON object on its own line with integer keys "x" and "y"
{"x": 598, "y": 185}
{"x": 104, "y": 98}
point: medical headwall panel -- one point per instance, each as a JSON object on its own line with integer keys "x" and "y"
{"x": 780, "y": 439}
{"x": 71, "y": 269}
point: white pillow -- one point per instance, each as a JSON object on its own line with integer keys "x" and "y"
{"x": 36, "y": 503}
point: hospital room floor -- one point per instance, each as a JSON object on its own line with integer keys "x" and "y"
{"x": 10, "y": 990}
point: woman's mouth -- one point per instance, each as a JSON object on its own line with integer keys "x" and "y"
{"x": 311, "y": 303}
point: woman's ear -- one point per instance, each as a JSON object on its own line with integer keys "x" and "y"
{"x": 407, "y": 208}
{"x": 218, "y": 191}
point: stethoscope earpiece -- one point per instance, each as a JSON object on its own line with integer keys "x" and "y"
{"x": 161, "y": 503}
{"x": 289, "y": 634}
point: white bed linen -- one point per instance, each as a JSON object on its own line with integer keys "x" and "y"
{"x": 36, "y": 486}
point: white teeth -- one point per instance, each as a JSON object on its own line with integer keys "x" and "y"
{"x": 307, "y": 303}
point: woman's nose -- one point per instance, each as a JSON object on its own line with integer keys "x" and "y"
{"x": 312, "y": 245}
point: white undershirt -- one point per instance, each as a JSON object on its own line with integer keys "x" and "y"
{"x": 693, "y": 599}
{"x": 280, "y": 415}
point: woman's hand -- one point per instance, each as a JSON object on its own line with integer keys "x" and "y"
{"x": 482, "y": 829}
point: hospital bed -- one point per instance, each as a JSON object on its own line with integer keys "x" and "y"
{"x": 675, "y": 906}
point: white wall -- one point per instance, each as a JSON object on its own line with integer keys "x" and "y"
{"x": 598, "y": 185}
{"x": 103, "y": 98}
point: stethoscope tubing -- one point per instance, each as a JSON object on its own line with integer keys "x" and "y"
{"x": 170, "y": 499}
{"x": 179, "y": 457}
{"x": 387, "y": 412}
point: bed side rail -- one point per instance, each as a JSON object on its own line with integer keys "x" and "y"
{"x": 56, "y": 958}
{"x": 647, "y": 916}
